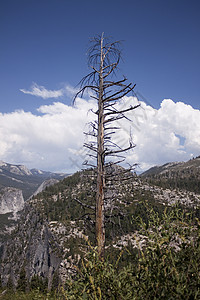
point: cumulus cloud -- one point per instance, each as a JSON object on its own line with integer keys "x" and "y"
{"x": 171, "y": 133}
{"x": 53, "y": 140}
{"x": 45, "y": 141}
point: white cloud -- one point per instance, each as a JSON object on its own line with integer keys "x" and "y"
{"x": 44, "y": 141}
{"x": 41, "y": 91}
{"x": 157, "y": 133}
{"x": 54, "y": 139}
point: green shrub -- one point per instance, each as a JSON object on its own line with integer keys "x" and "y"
{"x": 96, "y": 279}
{"x": 167, "y": 266}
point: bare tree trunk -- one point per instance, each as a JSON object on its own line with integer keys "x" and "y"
{"x": 100, "y": 229}
{"x": 104, "y": 57}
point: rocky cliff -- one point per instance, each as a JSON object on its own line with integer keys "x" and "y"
{"x": 30, "y": 246}
{"x": 44, "y": 185}
{"x": 11, "y": 200}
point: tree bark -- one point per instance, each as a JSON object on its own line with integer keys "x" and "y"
{"x": 100, "y": 229}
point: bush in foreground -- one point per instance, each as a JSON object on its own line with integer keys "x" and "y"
{"x": 167, "y": 266}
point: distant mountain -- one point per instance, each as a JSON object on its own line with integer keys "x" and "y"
{"x": 182, "y": 175}
{"x": 20, "y": 177}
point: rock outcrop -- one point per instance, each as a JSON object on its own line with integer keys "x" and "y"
{"x": 44, "y": 185}
{"x": 11, "y": 200}
{"x": 31, "y": 247}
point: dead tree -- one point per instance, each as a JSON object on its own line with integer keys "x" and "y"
{"x": 104, "y": 57}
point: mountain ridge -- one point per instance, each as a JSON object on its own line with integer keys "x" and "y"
{"x": 195, "y": 162}
{"x": 181, "y": 175}
{"x": 20, "y": 177}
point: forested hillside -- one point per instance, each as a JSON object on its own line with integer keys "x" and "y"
{"x": 149, "y": 238}
{"x": 184, "y": 176}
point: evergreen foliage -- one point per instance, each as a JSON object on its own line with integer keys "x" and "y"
{"x": 167, "y": 267}
{"x": 22, "y": 282}
{"x": 9, "y": 284}
{"x": 183, "y": 176}
{"x": 39, "y": 283}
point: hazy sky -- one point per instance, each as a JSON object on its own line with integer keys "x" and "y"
{"x": 43, "y": 57}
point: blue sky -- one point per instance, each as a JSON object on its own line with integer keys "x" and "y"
{"x": 44, "y": 45}
{"x": 45, "y": 41}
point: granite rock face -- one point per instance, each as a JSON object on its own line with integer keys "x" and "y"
{"x": 11, "y": 200}
{"x": 45, "y": 184}
{"x": 30, "y": 246}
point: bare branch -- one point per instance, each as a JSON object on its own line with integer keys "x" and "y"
{"x": 112, "y": 128}
{"x": 114, "y": 83}
{"x": 86, "y": 163}
{"x": 122, "y": 111}
{"x": 104, "y": 57}
{"x": 123, "y": 93}
{"x": 111, "y": 70}
{"x": 82, "y": 90}
{"x": 114, "y": 119}
{"x": 120, "y": 151}
{"x": 90, "y": 147}
{"x": 83, "y": 204}
{"x": 90, "y": 134}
